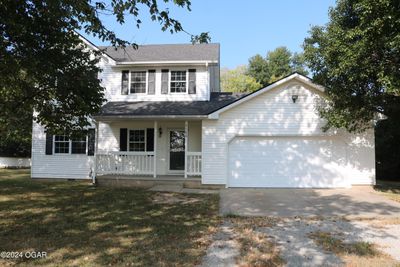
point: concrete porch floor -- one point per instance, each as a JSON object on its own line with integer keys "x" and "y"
{"x": 148, "y": 177}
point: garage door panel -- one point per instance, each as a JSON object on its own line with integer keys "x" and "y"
{"x": 286, "y": 162}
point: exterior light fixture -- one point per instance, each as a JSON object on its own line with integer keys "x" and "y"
{"x": 159, "y": 132}
{"x": 294, "y": 98}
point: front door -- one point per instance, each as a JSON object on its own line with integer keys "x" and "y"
{"x": 176, "y": 150}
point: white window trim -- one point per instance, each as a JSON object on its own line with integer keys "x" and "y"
{"x": 145, "y": 139}
{"x": 69, "y": 147}
{"x": 130, "y": 78}
{"x": 170, "y": 81}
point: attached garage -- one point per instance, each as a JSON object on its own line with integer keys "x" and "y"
{"x": 273, "y": 137}
{"x": 286, "y": 162}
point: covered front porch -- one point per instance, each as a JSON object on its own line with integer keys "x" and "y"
{"x": 142, "y": 149}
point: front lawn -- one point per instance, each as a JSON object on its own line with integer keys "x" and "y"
{"x": 389, "y": 189}
{"x": 82, "y": 225}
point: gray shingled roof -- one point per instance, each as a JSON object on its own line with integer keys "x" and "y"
{"x": 164, "y": 52}
{"x": 169, "y": 108}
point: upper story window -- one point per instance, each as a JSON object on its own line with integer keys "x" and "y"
{"x": 171, "y": 82}
{"x": 138, "y": 82}
{"x": 178, "y": 83}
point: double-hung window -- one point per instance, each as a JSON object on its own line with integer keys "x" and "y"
{"x": 137, "y": 140}
{"x": 138, "y": 82}
{"x": 63, "y": 145}
{"x": 178, "y": 82}
{"x": 78, "y": 145}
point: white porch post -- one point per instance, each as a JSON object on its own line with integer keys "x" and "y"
{"x": 96, "y": 142}
{"x": 155, "y": 149}
{"x": 186, "y": 146}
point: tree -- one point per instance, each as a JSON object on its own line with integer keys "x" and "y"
{"x": 356, "y": 56}
{"x": 44, "y": 66}
{"x": 238, "y": 81}
{"x": 258, "y": 69}
{"x": 277, "y": 64}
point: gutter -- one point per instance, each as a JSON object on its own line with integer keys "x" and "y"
{"x": 121, "y": 117}
{"x": 170, "y": 62}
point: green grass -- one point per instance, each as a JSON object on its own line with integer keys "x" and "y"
{"x": 337, "y": 246}
{"x": 388, "y": 189}
{"x": 360, "y": 253}
{"x": 82, "y": 225}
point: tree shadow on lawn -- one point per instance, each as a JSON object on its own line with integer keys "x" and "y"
{"x": 78, "y": 224}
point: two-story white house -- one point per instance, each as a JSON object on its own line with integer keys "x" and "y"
{"x": 166, "y": 118}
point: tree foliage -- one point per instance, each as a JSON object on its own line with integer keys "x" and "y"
{"x": 44, "y": 66}
{"x": 357, "y": 57}
{"x": 277, "y": 64}
{"x": 238, "y": 81}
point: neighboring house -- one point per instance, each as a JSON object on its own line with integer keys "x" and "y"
{"x": 165, "y": 115}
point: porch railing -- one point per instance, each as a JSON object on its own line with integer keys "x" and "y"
{"x": 193, "y": 161}
{"x": 128, "y": 163}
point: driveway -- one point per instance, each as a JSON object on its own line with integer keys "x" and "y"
{"x": 356, "y": 202}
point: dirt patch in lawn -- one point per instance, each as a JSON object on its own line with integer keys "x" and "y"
{"x": 174, "y": 198}
{"x": 256, "y": 249}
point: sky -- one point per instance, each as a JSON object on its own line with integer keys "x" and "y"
{"x": 243, "y": 28}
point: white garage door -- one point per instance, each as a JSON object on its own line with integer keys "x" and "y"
{"x": 287, "y": 162}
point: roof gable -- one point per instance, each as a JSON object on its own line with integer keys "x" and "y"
{"x": 291, "y": 77}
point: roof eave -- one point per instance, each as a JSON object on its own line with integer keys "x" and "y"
{"x": 150, "y": 117}
{"x": 169, "y": 62}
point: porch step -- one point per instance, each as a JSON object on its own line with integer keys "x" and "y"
{"x": 174, "y": 182}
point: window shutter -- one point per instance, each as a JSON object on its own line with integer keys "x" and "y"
{"x": 91, "y": 142}
{"x": 150, "y": 139}
{"x": 123, "y": 139}
{"x": 125, "y": 82}
{"x": 164, "y": 81}
{"x": 192, "y": 81}
{"x": 152, "y": 82}
{"x": 49, "y": 144}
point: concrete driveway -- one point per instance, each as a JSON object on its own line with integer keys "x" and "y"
{"x": 357, "y": 202}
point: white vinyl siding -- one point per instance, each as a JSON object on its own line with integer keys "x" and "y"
{"x": 77, "y": 166}
{"x": 111, "y": 80}
{"x": 273, "y": 114}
